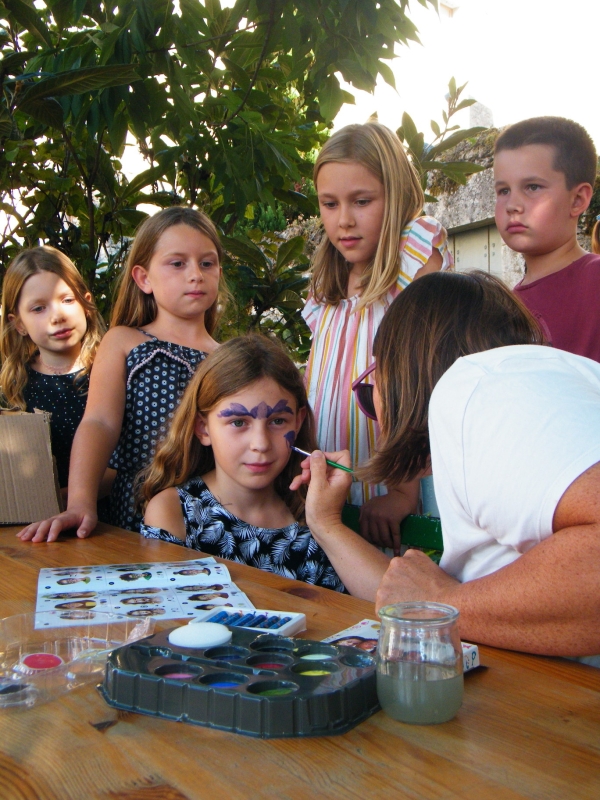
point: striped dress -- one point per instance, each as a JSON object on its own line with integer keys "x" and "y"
{"x": 342, "y": 348}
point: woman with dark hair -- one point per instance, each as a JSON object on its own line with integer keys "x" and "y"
{"x": 511, "y": 429}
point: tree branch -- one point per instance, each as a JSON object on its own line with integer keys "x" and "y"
{"x": 254, "y": 78}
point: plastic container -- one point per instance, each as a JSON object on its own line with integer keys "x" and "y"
{"x": 258, "y": 684}
{"x": 39, "y": 662}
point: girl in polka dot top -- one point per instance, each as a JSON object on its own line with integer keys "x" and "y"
{"x": 49, "y": 334}
{"x": 163, "y": 318}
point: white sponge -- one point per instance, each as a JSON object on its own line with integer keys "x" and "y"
{"x": 200, "y": 634}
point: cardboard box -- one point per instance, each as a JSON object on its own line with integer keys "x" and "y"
{"x": 28, "y": 484}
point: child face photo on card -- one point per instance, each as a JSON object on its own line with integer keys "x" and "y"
{"x": 216, "y": 587}
{"x": 194, "y": 571}
{"x": 135, "y": 576}
{"x": 146, "y": 612}
{"x": 140, "y": 601}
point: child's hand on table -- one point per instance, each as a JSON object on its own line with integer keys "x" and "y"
{"x": 84, "y": 519}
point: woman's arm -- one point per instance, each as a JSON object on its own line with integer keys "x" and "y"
{"x": 95, "y": 440}
{"x": 359, "y": 565}
{"x": 547, "y": 601}
{"x": 164, "y": 511}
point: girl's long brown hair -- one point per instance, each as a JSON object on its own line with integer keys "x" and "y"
{"x": 380, "y": 151}
{"x": 431, "y": 324}
{"x": 133, "y": 307}
{"x": 234, "y": 365}
{"x": 17, "y": 351}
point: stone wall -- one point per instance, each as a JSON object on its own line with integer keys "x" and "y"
{"x": 469, "y": 206}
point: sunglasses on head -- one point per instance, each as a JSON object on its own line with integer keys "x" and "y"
{"x": 364, "y": 393}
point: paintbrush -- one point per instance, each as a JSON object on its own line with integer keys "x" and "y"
{"x": 327, "y": 461}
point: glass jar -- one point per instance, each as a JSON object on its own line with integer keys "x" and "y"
{"x": 419, "y": 662}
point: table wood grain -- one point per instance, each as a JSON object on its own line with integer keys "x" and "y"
{"x": 529, "y": 726}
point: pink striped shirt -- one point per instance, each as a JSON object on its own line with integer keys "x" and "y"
{"x": 342, "y": 348}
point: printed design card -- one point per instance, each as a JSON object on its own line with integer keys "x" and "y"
{"x": 365, "y": 635}
{"x": 163, "y": 590}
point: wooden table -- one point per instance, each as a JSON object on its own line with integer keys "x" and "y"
{"x": 529, "y": 727}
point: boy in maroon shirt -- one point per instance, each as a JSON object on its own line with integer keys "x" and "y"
{"x": 544, "y": 171}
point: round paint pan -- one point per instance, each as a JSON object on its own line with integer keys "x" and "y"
{"x": 273, "y": 688}
{"x": 224, "y": 680}
{"x": 315, "y": 669}
{"x": 270, "y": 661}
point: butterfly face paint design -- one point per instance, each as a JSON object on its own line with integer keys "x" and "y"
{"x": 261, "y": 411}
{"x": 290, "y": 438}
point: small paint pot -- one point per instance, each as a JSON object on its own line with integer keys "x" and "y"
{"x": 315, "y": 657}
{"x": 273, "y": 644}
{"x": 273, "y": 688}
{"x": 315, "y": 669}
{"x": 268, "y": 661}
{"x": 13, "y": 688}
{"x": 223, "y": 680}
{"x": 227, "y": 653}
{"x": 316, "y": 652}
{"x": 178, "y": 672}
{"x": 38, "y": 662}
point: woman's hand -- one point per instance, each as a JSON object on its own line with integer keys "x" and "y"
{"x": 359, "y": 565}
{"x": 415, "y": 577}
{"x": 84, "y": 519}
{"x": 327, "y": 487}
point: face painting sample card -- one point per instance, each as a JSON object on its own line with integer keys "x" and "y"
{"x": 163, "y": 590}
{"x": 365, "y": 635}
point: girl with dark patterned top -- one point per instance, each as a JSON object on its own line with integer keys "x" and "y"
{"x": 161, "y": 326}
{"x": 50, "y": 330}
{"x": 220, "y": 479}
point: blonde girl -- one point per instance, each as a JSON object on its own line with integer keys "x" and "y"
{"x": 165, "y": 312}
{"x": 375, "y": 243}
{"x": 50, "y": 330}
{"x": 220, "y": 481}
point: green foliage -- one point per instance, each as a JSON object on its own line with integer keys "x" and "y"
{"x": 270, "y": 279}
{"x": 225, "y": 104}
{"x": 425, "y": 157}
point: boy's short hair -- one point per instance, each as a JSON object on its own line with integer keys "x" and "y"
{"x": 575, "y": 154}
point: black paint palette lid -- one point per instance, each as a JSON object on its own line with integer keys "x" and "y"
{"x": 257, "y": 684}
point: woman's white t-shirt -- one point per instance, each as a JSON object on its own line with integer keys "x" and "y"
{"x": 510, "y": 430}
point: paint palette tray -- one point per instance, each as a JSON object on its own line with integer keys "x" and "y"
{"x": 281, "y": 623}
{"x": 38, "y": 663}
{"x": 258, "y": 684}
